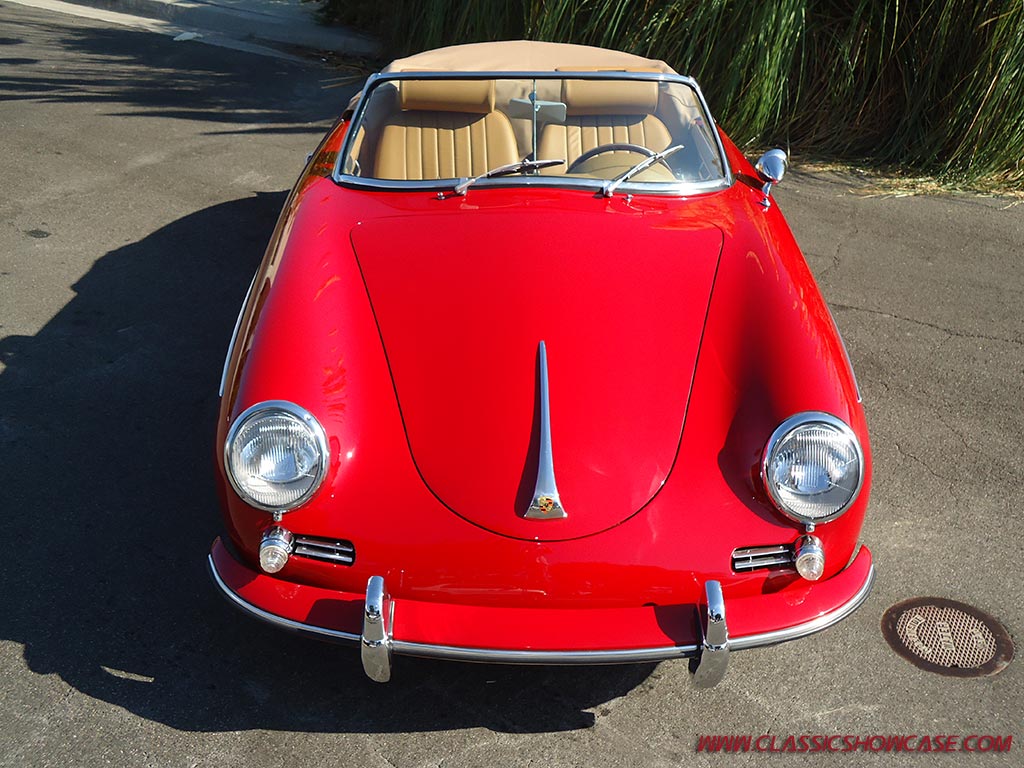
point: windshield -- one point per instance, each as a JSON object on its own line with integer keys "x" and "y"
{"x": 608, "y": 130}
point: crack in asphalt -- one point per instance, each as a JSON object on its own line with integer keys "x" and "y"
{"x": 950, "y": 483}
{"x": 820, "y": 274}
{"x": 950, "y": 331}
{"x": 903, "y": 452}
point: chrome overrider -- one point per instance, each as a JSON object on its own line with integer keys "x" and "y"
{"x": 375, "y": 643}
{"x": 378, "y": 644}
{"x": 714, "y": 650}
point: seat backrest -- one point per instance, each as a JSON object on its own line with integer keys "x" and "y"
{"x": 600, "y": 112}
{"x": 446, "y": 129}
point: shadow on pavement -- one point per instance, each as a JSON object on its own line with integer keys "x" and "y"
{"x": 106, "y": 435}
{"x": 138, "y": 73}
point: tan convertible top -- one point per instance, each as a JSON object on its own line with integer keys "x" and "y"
{"x": 520, "y": 56}
{"x": 524, "y": 56}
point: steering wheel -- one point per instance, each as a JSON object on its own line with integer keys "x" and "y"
{"x": 620, "y": 146}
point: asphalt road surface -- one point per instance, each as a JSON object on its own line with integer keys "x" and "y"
{"x": 141, "y": 178}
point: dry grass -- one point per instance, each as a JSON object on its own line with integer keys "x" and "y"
{"x": 869, "y": 180}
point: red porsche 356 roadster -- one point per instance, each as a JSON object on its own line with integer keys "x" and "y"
{"x": 533, "y": 371}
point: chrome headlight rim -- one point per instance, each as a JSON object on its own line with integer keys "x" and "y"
{"x": 311, "y": 423}
{"x": 794, "y": 422}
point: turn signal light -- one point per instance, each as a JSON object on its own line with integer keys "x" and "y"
{"x": 810, "y": 557}
{"x": 275, "y": 549}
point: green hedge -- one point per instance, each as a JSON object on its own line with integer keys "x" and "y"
{"x": 936, "y": 87}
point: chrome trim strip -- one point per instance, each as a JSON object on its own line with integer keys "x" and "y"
{"x": 771, "y": 549}
{"x": 846, "y": 354}
{"x": 679, "y": 189}
{"x": 713, "y": 127}
{"x": 808, "y": 627}
{"x": 378, "y": 615}
{"x": 324, "y": 541}
{"x": 372, "y": 82}
{"x": 272, "y": 618}
{"x": 568, "y": 658}
{"x": 546, "y": 504}
{"x": 530, "y": 74}
{"x": 504, "y": 656}
{"x": 762, "y": 561}
{"x": 234, "y": 336}
{"x": 316, "y": 545}
{"x": 323, "y": 555}
{"x": 714, "y": 655}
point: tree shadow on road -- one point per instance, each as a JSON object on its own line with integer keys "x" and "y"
{"x": 137, "y": 73}
{"x": 106, "y": 435}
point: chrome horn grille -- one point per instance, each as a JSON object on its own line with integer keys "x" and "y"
{"x": 754, "y": 558}
{"x": 328, "y": 550}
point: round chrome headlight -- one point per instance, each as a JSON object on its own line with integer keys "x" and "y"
{"x": 276, "y": 455}
{"x": 813, "y": 467}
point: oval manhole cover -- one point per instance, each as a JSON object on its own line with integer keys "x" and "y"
{"x": 947, "y": 637}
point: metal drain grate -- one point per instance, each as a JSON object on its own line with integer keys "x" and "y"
{"x": 947, "y": 637}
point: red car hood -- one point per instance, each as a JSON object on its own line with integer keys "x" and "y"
{"x": 462, "y": 301}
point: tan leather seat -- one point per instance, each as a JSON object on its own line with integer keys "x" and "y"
{"x": 446, "y": 129}
{"x": 600, "y": 112}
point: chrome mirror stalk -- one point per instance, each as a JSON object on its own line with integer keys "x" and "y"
{"x": 771, "y": 168}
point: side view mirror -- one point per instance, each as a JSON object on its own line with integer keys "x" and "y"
{"x": 771, "y": 167}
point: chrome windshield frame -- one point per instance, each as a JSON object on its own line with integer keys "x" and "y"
{"x": 679, "y": 189}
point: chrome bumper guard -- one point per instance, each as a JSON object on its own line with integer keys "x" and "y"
{"x": 377, "y": 643}
{"x": 714, "y": 648}
{"x": 378, "y": 614}
{"x": 375, "y": 646}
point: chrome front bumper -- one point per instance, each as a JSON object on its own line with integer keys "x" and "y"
{"x": 378, "y": 645}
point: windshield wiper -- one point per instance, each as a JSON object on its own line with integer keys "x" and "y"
{"x": 647, "y": 162}
{"x": 505, "y": 170}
